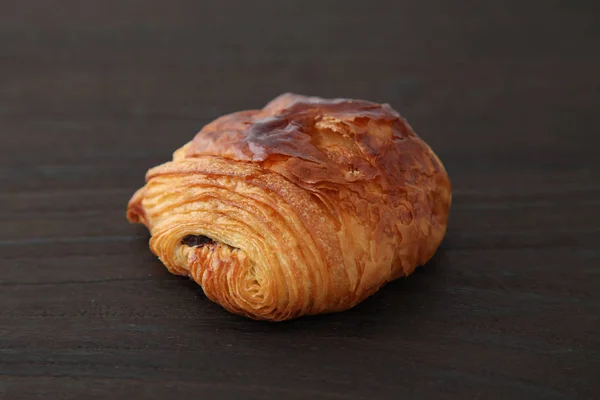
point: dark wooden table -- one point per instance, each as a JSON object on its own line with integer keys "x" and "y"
{"x": 94, "y": 93}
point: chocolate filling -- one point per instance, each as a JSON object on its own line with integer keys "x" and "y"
{"x": 196, "y": 240}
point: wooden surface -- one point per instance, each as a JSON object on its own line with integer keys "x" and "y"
{"x": 94, "y": 93}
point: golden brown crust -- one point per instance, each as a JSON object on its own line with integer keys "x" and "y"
{"x": 310, "y": 205}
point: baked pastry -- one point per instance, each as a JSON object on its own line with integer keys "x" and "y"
{"x": 307, "y": 206}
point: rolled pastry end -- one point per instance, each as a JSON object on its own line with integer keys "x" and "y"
{"x": 250, "y": 252}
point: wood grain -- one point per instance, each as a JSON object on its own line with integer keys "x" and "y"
{"x": 94, "y": 93}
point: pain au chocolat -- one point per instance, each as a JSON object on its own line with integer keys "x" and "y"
{"x": 307, "y": 206}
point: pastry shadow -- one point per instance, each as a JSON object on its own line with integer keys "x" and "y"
{"x": 403, "y": 305}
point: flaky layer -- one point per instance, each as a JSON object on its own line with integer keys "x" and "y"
{"x": 304, "y": 207}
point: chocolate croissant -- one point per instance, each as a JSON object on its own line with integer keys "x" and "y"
{"x": 307, "y": 206}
